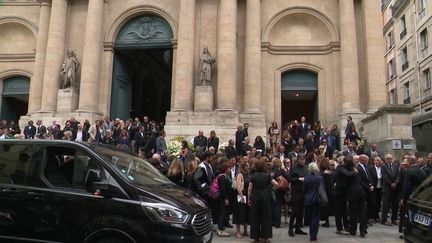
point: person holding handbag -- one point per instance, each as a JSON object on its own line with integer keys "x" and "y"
{"x": 313, "y": 198}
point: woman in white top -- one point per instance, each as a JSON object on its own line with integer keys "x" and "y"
{"x": 377, "y": 177}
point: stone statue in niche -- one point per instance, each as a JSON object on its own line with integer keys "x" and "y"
{"x": 206, "y": 63}
{"x": 68, "y": 71}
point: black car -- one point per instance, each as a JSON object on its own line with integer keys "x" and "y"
{"x": 60, "y": 191}
{"x": 419, "y": 225}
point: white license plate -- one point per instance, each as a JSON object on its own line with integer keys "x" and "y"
{"x": 422, "y": 219}
{"x": 207, "y": 237}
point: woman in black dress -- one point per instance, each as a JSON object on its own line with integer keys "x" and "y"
{"x": 223, "y": 200}
{"x": 259, "y": 201}
{"x": 241, "y": 213}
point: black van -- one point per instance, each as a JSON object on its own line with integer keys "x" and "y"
{"x": 60, "y": 191}
{"x": 419, "y": 226}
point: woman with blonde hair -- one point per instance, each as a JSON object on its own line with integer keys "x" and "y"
{"x": 189, "y": 178}
{"x": 176, "y": 172}
{"x": 273, "y": 131}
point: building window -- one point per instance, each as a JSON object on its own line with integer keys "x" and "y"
{"x": 392, "y": 97}
{"x": 403, "y": 30}
{"x": 427, "y": 82}
{"x": 391, "y": 69}
{"x": 422, "y": 8}
{"x": 389, "y": 40}
{"x": 404, "y": 57}
{"x": 407, "y": 99}
{"x": 424, "y": 43}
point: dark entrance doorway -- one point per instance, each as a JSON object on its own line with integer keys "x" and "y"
{"x": 299, "y": 96}
{"x": 15, "y": 95}
{"x": 142, "y": 70}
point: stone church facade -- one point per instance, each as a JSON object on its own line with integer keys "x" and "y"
{"x": 264, "y": 50}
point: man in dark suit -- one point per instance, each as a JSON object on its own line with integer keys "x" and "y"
{"x": 29, "y": 130}
{"x": 390, "y": 195}
{"x": 367, "y": 181}
{"x": 373, "y": 150}
{"x": 304, "y": 129}
{"x": 40, "y": 130}
{"x": 140, "y": 138}
{"x": 79, "y": 135}
{"x": 342, "y": 179}
{"x": 203, "y": 178}
{"x": 230, "y": 150}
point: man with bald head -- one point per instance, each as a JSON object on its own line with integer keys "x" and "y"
{"x": 200, "y": 142}
{"x": 390, "y": 172}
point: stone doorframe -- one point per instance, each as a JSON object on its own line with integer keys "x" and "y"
{"x": 278, "y": 85}
{"x": 109, "y": 40}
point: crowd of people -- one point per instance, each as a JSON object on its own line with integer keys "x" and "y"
{"x": 301, "y": 175}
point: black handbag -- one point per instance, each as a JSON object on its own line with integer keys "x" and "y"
{"x": 322, "y": 195}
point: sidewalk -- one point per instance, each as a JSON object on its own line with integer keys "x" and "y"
{"x": 377, "y": 234}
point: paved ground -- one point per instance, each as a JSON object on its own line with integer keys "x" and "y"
{"x": 377, "y": 234}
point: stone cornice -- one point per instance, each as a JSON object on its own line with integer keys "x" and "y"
{"x": 20, "y": 3}
{"x": 395, "y": 108}
{"x": 300, "y": 50}
{"x": 22, "y": 57}
{"x": 45, "y": 2}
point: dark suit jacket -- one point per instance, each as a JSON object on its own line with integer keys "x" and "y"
{"x": 365, "y": 177}
{"x": 41, "y": 132}
{"x": 355, "y": 188}
{"x": 29, "y": 131}
{"x": 311, "y": 183}
{"x": 389, "y": 176}
{"x": 303, "y": 129}
{"x": 369, "y": 153}
{"x": 374, "y": 175}
{"x": 413, "y": 177}
{"x": 141, "y": 141}
{"x": 230, "y": 152}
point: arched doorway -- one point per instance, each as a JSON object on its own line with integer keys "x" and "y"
{"x": 142, "y": 69}
{"x": 299, "y": 92}
{"x": 14, "y": 100}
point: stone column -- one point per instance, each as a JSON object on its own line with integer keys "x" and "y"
{"x": 252, "y": 77}
{"x": 374, "y": 52}
{"x": 349, "y": 62}
{"x": 36, "y": 83}
{"x": 184, "y": 70}
{"x": 227, "y": 55}
{"x": 54, "y": 55}
{"x": 89, "y": 87}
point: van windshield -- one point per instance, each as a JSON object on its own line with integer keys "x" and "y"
{"x": 131, "y": 167}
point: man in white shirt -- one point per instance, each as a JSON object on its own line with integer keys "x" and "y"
{"x": 80, "y": 135}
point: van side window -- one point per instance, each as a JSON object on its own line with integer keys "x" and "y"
{"x": 14, "y": 163}
{"x": 68, "y": 167}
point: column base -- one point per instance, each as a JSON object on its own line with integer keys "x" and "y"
{"x": 67, "y": 100}
{"x": 223, "y": 122}
{"x": 203, "y": 98}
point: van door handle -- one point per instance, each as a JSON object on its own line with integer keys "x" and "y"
{"x": 35, "y": 195}
{"x": 9, "y": 190}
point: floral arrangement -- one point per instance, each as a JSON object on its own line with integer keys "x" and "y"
{"x": 223, "y": 146}
{"x": 174, "y": 146}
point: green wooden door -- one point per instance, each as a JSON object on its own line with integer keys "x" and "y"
{"x": 121, "y": 98}
{"x": 142, "y": 32}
